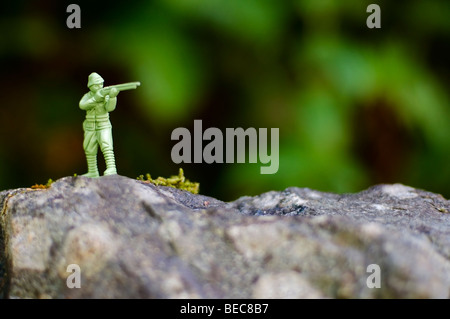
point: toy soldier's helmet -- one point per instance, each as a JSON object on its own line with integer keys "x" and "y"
{"x": 94, "y": 78}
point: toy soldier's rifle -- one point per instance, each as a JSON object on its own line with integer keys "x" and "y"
{"x": 119, "y": 87}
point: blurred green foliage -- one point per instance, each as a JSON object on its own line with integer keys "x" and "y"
{"x": 354, "y": 106}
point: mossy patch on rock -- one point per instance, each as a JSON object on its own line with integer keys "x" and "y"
{"x": 177, "y": 181}
{"x": 42, "y": 186}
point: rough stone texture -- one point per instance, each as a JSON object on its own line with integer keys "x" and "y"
{"x": 136, "y": 240}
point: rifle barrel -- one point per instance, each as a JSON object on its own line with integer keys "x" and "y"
{"x": 123, "y": 87}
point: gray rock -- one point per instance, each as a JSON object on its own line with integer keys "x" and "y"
{"x": 136, "y": 240}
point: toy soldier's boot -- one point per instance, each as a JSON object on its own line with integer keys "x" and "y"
{"x": 110, "y": 163}
{"x": 92, "y": 166}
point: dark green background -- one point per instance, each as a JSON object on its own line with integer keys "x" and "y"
{"x": 355, "y": 106}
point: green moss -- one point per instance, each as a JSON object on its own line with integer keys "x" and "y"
{"x": 41, "y": 186}
{"x": 176, "y": 181}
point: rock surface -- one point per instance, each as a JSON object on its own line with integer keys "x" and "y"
{"x": 136, "y": 240}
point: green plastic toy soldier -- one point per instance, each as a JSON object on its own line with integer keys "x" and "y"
{"x": 97, "y": 103}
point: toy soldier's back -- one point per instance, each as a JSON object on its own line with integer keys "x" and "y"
{"x": 97, "y": 103}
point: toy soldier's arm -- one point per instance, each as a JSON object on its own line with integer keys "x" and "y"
{"x": 110, "y": 104}
{"x": 87, "y": 102}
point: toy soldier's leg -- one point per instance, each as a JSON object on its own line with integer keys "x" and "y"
{"x": 106, "y": 145}
{"x": 90, "y": 146}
